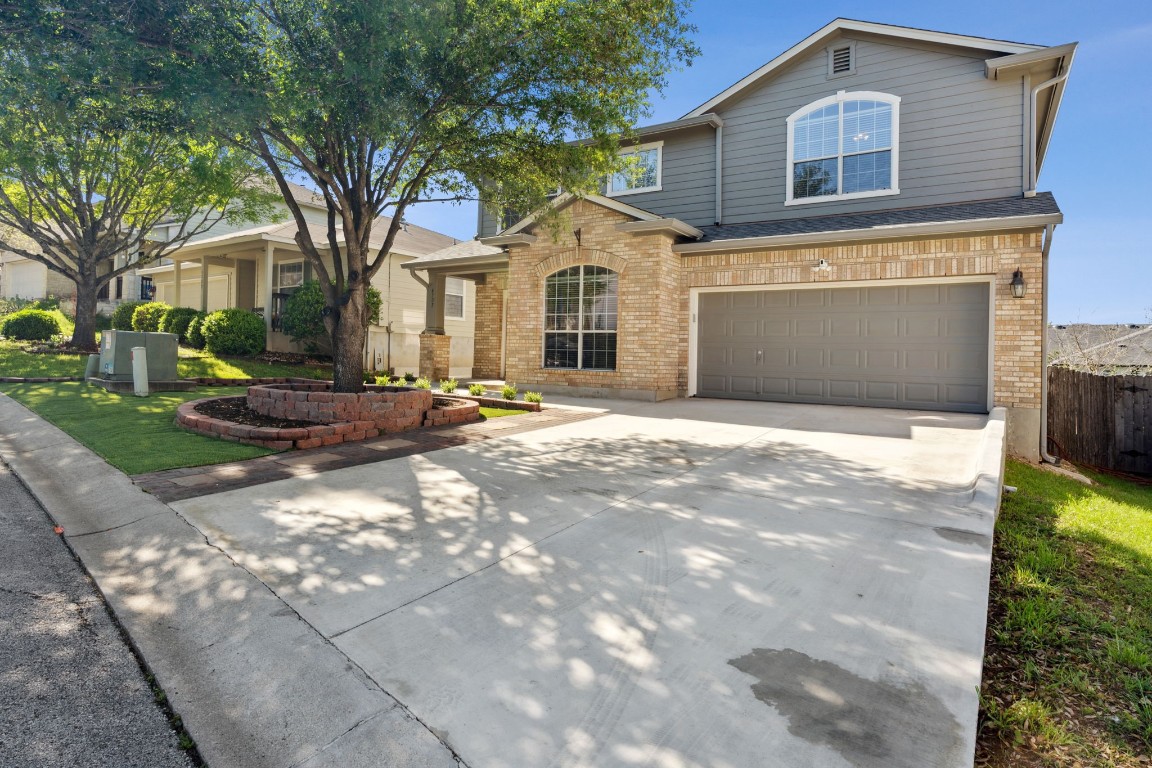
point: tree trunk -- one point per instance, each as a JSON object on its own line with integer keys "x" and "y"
{"x": 348, "y": 337}
{"x": 84, "y": 336}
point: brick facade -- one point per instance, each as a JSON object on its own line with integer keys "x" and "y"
{"x": 488, "y": 358}
{"x": 435, "y": 356}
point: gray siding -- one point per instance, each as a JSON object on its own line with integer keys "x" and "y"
{"x": 688, "y": 178}
{"x": 960, "y": 134}
{"x": 489, "y": 223}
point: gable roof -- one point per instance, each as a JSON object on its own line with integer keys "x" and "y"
{"x": 838, "y": 26}
{"x": 567, "y": 198}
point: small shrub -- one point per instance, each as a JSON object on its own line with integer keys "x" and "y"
{"x": 477, "y": 390}
{"x": 195, "y": 331}
{"x": 47, "y": 304}
{"x": 533, "y": 397}
{"x": 409, "y": 377}
{"x": 146, "y": 317}
{"x": 176, "y": 320}
{"x": 509, "y": 391}
{"x": 30, "y": 325}
{"x": 384, "y": 381}
{"x": 8, "y": 306}
{"x": 302, "y": 317}
{"x": 448, "y": 386}
{"x": 122, "y": 315}
{"x": 103, "y": 322}
{"x": 233, "y": 332}
{"x": 422, "y": 383}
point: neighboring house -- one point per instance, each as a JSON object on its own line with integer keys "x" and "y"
{"x": 22, "y": 278}
{"x": 842, "y": 226}
{"x": 1113, "y": 350}
{"x": 243, "y": 266}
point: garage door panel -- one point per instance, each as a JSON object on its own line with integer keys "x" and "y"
{"x": 746, "y": 327}
{"x": 919, "y": 346}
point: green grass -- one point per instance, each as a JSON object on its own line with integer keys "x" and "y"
{"x": 133, "y": 434}
{"x": 14, "y": 361}
{"x": 1068, "y": 659}
{"x": 495, "y": 413}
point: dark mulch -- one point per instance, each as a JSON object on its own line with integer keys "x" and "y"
{"x": 236, "y": 410}
{"x": 291, "y": 358}
{"x": 62, "y": 348}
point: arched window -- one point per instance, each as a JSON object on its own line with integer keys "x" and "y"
{"x": 580, "y": 318}
{"x": 843, "y": 147}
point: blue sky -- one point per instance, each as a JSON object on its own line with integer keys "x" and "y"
{"x": 1099, "y": 164}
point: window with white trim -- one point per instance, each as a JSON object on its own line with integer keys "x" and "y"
{"x": 454, "y": 298}
{"x": 641, "y": 172}
{"x": 580, "y": 305}
{"x": 289, "y": 275}
{"x": 843, "y": 147}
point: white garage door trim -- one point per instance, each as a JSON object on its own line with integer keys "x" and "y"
{"x": 694, "y": 311}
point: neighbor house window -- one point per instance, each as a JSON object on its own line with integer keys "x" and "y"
{"x": 454, "y": 298}
{"x": 580, "y": 318}
{"x": 289, "y": 276}
{"x": 842, "y": 147}
{"x": 641, "y": 172}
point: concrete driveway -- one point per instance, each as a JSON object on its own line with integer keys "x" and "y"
{"x": 692, "y": 583}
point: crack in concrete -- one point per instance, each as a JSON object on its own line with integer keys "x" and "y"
{"x": 114, "y": 527}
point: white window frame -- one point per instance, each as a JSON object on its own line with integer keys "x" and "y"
{"x": 463, "y": 294}
{"x": 276, "y": 285}
{"x": 839, "y": 98}
{"x": 634, "y": 150}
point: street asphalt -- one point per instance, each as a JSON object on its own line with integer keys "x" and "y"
{"x": 71, "y": 691}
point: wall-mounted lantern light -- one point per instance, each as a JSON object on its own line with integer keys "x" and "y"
{"x": 1019, "y": 287}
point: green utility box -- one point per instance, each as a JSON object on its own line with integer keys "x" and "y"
{"x": 116, "y": 355}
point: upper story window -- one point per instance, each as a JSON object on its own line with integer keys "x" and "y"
{"x": 454, "y": 298}
{"x": 580, "y": 306}
{"x": 844, "y": 146}
{"x": 642, "y": 172}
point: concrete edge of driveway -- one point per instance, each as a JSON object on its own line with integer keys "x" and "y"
{"x": 242, "y": 669}
{"x": 987, "y": 485}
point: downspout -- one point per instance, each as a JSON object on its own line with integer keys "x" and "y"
{"x": 719, "y": 174}
{"x": 1032, "y": 171}
{"x": 1044, "y": 455}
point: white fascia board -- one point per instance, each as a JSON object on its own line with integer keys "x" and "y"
{"x": 874, "y": 233}
{"x": 994, "y": 67}
{"x": 463, "y": 264}
{"x": 674, "y": 226}
{"x": 848, "y": 25}
{"x": 501, "y": 241}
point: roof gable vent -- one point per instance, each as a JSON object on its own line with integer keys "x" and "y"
{"x": 842, "y": 60}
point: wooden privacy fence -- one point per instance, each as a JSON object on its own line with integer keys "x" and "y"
{"x": 1105, "y": 421}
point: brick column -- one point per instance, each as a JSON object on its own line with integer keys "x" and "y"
{"x": 488, "y": 355}
{"x": 434, "y": 356}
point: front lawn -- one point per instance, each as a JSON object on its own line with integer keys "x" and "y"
{"x": 133, "y": 434}
{"x": 1068, "y": 660}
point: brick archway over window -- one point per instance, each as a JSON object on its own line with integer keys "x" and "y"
{"x": 575, "y": 256}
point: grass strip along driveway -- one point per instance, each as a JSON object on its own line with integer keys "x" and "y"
{"x": 1068, "y": 659}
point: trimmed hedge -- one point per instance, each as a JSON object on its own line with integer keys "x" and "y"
{"x": 176, "y": 321}
{"x": 195, "y": 326}
{"x": 122, "y": 315}
{"x": 147, "y": 317}
{"x": 233, "y": 332}
{"x": 30, "y": 325}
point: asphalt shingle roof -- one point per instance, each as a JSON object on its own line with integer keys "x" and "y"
{"x": 1003, "y": 208}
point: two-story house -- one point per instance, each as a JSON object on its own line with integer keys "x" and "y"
{"x": 857, "y": 222}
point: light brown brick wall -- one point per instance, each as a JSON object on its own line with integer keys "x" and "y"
{"x": 655, "y": 284}
{"x": 435, "y": 353}
{"x": 489, "y": 352}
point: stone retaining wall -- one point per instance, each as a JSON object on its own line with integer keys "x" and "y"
{"x": 388, "y": 409}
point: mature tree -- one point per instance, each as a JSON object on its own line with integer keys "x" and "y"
{"x": 384, "y": 104}
{"x": 88, "y": 169}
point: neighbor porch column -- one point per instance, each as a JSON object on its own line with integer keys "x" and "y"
{"x": 176, "y": 285}
{"x": 269, "y": 250}
{"x": 203, "y": 283}
{"x": 434, "y": 303}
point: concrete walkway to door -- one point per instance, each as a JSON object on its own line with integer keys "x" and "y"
{"x": 690, "y": 583}
{"x": 693, "y": 583}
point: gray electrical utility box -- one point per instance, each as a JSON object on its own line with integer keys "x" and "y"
{"x": 116, "y": 355}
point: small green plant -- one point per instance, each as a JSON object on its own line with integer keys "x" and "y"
{"x": 533, "y": 397}
{"x": 122, "y": 315}
{"x": 146, "y": 317}
{"x": 509, "y": 391}
{"x": 448, "y": 386}
{"x": 195, "y": 330}
{"x": 30, "y": 325}
{"x": 422, "y": 383}
{"x": 409, "y": 377}
{"x": 233, "y": 332}
{"x": 384, "y": 381}
{"x": 477, "y": 390}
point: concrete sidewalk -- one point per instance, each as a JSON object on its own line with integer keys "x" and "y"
{"x": 256, "y": 686}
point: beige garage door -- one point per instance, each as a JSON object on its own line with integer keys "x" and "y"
{"x": 218, "y": 292}
{"x": 909, "y": 346}
{"x": 25, "y": 280}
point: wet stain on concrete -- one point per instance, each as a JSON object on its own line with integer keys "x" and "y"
{"x": 964, "y": 537}
{"x": 870, "y": 724}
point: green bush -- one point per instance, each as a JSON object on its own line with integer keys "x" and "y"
{"x": 122, "y": 315}
{"x": 47, "y": 304}
{"x": 477, "y": 390}
{"x": 8, "y": 306}
{"x": 233, "y": 332}
{"x": 103, "y": 322}
{"x": 194, "y": 332}
{"x": 146, "y": 317}
{"x": 533, "y": 397}
{"x": 409, "y": 377}
{"x": 448, "y": 386}
{"x": 30, "y": 325}
{"x": 302, "y": 317}
{"x": 176, "y": 320}
{"x": 422, "y": 383}
{"x": 509, "y": 391}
